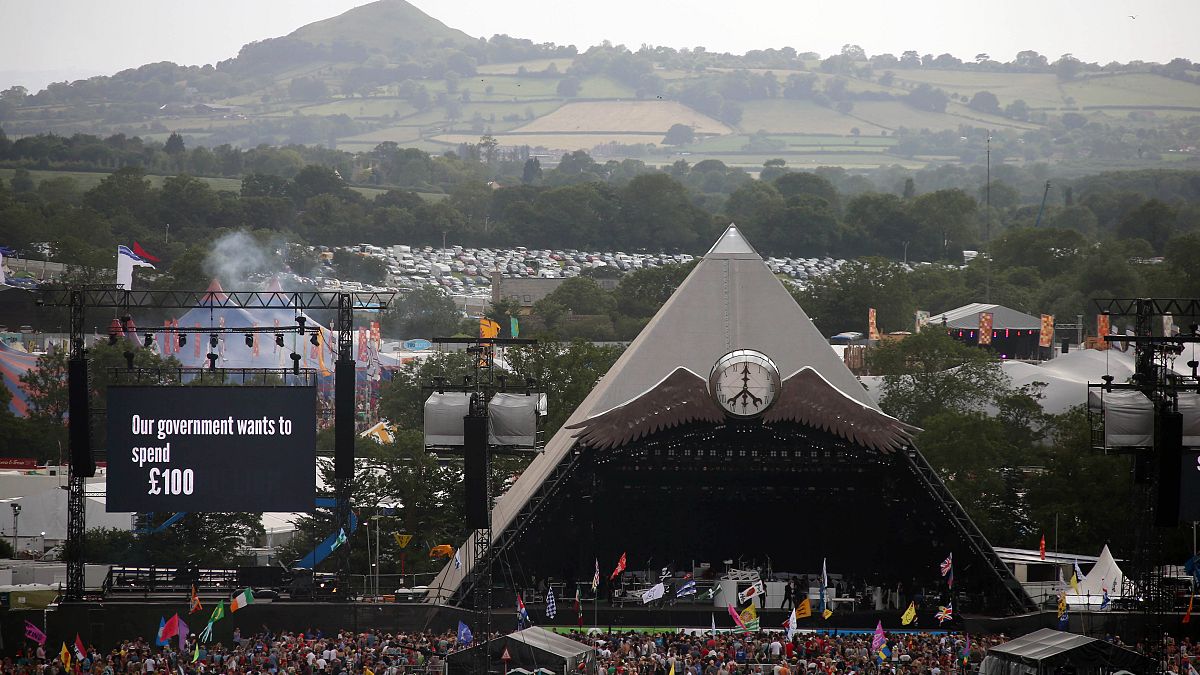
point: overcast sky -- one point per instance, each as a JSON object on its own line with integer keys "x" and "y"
{"x": 52, "y": 40}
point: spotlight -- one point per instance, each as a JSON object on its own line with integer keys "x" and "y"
{"x": 279, "y": 339}
{"x": 212, "y": 361}
{"x": 295, "y": 363}
{"x": 182, "y": 339}
{"x": 249, "y": 340}
{"x": 300, "y": 320}
{"x": 212, "y": 340}
{"x": 148, "y": 341}
{"x": 128, "y": 360}
{"x": 315, "y": 339}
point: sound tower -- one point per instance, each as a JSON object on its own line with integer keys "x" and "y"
{"x": 1168, "y": 450}
{"x": 79, "y": 426}
{"x": 343, "y": 419}
{"x": 475, "y": 464}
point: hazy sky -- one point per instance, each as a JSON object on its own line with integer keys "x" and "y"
{"x": 50, "y": 40}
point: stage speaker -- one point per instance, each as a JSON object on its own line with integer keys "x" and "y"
{"x": 1168, "y": 449}
{"x": 343, "y": 420}
{"x": 475, "y": 471}
{"x": 1066, "y": 346}
{"x": 79, "y": 425}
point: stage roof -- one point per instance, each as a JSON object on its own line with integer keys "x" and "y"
{"x": 1044, "y": 649}
{"x": 1003, "y": 317}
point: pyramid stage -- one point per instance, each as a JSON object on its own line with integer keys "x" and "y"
{"x": 730, "y": 430}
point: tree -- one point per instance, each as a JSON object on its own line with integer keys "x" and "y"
{"x": 531, "y": 173}
{"x": 424, "y": 312}
{"x": 985, "y": 102}
{"x": 356, "y": 267}
{"x": 174, "y": 145}
{"x": 839, "y": 301}
{"x": 679, "y": 134}
{"x": 568, "y": 87}
{"x": 21, "y": 181}
{"x": 929, "y": 373}
{"x": 925, "y": 97}
{"x": 581, "y": 295}
{"x": 566, "y": 371}
{"x": 1153, "y": 220}
{"x": 641, "y": 293}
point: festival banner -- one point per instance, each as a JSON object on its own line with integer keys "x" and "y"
{"x": 872, "y": 326}
{"x": 985, "y": 328}
{"x": 1046, "y": 339}
{"x": 1103, "y": 327}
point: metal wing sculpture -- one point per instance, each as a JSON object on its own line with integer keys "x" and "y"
{"x": 810, "y": 399}
{"x": 679, "y": 398}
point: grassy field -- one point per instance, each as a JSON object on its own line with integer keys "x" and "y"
{"x": 623, "y": 116}
{"x": 565, "y": 142}
{"x": 536, "y": 66}
{"x": 1140, "y": 89}
{"x": 362, "y": 107}
{"x": 800, "y": 117}
{"x": 1039, "y": 90}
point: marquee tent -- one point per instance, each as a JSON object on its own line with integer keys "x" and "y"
{"x": 534, "y": 650}
{"x": 1045, "y": 651}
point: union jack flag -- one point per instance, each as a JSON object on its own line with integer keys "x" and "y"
{"x": 945, "y": 614}
{"x": 948, "y": 564}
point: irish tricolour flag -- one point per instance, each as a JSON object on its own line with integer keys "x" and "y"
{"x": 242, "y": 599}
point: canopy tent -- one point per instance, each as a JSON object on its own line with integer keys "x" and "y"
{"x": 1047, "y": 650}
{"x": 1003, "y": 318}
{"x": 1105, "y": 577}
{"x": 533, "y": 650}
{"x": 13, "y": 364}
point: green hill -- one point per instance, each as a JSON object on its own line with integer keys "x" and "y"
{"x": 382, "y": 25}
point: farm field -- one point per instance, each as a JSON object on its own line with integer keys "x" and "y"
{"x": 565, "y": 141}
{"x": 1134, "y": 89}
{"x": 800, "y": 117}
{"x": 1039, "y": 90}
{"x": 623, "y": 116}
{"x": 514, "y": 67}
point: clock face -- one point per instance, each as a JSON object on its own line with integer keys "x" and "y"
{"x": 744, "y": 383}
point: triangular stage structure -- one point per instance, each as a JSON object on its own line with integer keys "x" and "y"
{"x": 730, "y": 429}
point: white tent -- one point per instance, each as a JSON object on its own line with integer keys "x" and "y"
{"x": 1105, "y": 576}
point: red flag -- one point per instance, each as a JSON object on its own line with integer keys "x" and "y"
{"x": 620, "y": 568}
{"x": 1042, "y": 548}
{"x": 194, "y": 603}
{"x": 171, "y": 627}
{"x": 137, "y": 248}
{"x": 80, "y": 650}
{"x": 1187, "y": 618}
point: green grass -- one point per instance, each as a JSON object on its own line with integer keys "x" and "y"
{"x": 535, "y": 66}
{"x": 362, "y": 107}
{"x": 1039, "y": 90}
{"x": 1137, "y": 89}
{"x": 801, "y": 117}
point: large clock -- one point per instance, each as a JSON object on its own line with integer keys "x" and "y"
{"x": 744, "y": 383}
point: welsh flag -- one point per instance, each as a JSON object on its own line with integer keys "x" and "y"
{"x": 244, "y": 598}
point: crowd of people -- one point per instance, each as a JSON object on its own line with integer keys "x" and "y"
{"x": 695, "y": 652}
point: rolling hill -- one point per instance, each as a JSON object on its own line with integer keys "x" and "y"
{"x": 386, "y": 71}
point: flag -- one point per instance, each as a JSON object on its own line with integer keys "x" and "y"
{"x": 1187, "y": 618}
{"x": 34, "y": 633}
{"x": 159, "y": 640}
{"x": 457, "y": 559}
{"x": 65, "y": 657}
{"x": 578, "y": 607}
{"x": 945, "y": 614}
{"x": 522, "y": 613}
{"x": 714, "y": 623}
{"x": 909, "y": 614}
{"x": 1104, "y": 601}
{"x": 884, "y": 654}
{"x": 1064, "y": 621}
{"x": 966, "y": 651}
{"x": 804, "y": 609}
{"x": 551, "y": 605}
{"x": 826, "y": 614}
{"x": 790, "y": 624}
{"x": 824, "y": 585}
{"x": 141, "y": 252}
{"x": 218, "y": 612}
{"x": 596, "y": 577}
{"x": 80, "y": 649}
{"x": 710, "y": 593}
{"x": 1042, "y": 548}
{"x": 1079, "y": 572}
{"x": 205, "y": 635}
{"x": 737, "y": 619}
{"x": 194, "y": 603}
{"x": 183, "y": 633}
{"x": 1075, "y": 583}
{"x": 341, "y": 539}
{"x": 948, "y": 570}
{"x": 878, "y": 640}
{"x": 688, "y": 588}
{"x": 750, "y": 618}
{"x": 126, "y": 261}
{"x": 672, "y": 668}
{"x": 243, "y": 599}
{"x": 654, "y": 593}
{"x": 620, "y": 568}
{"x": 488, "y": 328}
{"x": 196, "y": 652}
{"x": 464, "y": 634}
{"x": 1062, "y": 604}
{"x": 756, "y": 589}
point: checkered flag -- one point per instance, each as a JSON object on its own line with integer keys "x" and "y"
{"x": 551, "y": 607}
